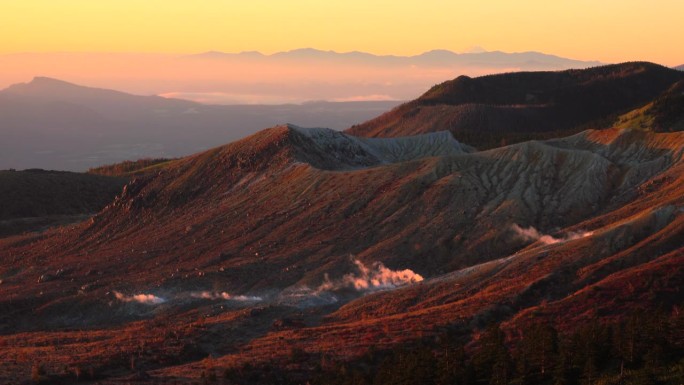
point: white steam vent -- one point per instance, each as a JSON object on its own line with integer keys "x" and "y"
{"x": 376, "y": 277}
{"x": 531, "y": 234}
{"x": 146, "y": 299}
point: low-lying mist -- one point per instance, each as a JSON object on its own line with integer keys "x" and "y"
{"x": 146, "y": 299}
{"x": 375, "y": 277}
{"x": 366, "y": 279}
{"x": 531, "y": 234}
{"x": 212, "y": 295}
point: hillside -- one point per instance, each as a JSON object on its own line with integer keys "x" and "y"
{"x": 490, "y": 110}
{"x": 130, "y": 168}
{"x": 310, "y": 243}
{"x": 36, "y": 199}
{"x": 665, "y": 113}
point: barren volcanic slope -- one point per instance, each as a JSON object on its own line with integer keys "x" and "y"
{"x": 509, "y": 108}
{"x": 272, "y": 244}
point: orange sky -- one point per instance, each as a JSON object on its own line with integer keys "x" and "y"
{"x": 606, "y": 30}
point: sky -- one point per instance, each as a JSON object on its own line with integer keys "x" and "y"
{"x": 607, "y": 30}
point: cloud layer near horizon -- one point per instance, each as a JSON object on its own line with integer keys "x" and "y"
{"x": 291, "y": 77}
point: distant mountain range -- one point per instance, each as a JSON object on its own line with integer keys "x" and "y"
{"x": 435, "y": 58}
{"x": 295, "y": 76}
{"x": 48, "y": 123}
{"x": 681, "y": 67}
{"x": 507, "y": 108}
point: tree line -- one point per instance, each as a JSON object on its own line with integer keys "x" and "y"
{"x": 645, "y": 348}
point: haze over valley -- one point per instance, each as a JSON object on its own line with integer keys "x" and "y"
{"x": 54, "y": 124}
{"x": 51, "y": 124}
{"x": 295, "y": 76}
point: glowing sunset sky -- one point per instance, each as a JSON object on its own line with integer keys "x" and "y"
{"x": 606, "y": 30}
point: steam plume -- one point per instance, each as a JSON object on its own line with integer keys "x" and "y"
{"x": 376, "y": 277}
{"x": 147, "y": 299}
{"x": 223, "y": 295}
{"x": 531, "y": 234}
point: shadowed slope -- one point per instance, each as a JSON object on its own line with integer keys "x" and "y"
{"x": 35, "y": 199}
{"x": 515, "y": 107}
{"x": 664, "y": 114}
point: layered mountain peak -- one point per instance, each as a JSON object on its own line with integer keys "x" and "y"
{"x": 109, "y": 102}
{"x": 42, "y": 82}
{"x": 285, "y": 151}
{"x": 542, "y": 87}
{"x": 42, "y": 86}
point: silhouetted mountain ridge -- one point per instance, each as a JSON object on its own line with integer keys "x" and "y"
{"x": 438, "y": 57}
{"x": 111, "y": 104}
{"x": 487, "y": 110}
{"x": 664, "y": 114}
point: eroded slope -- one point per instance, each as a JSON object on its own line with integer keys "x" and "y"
{"x": 276, "y": 221}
